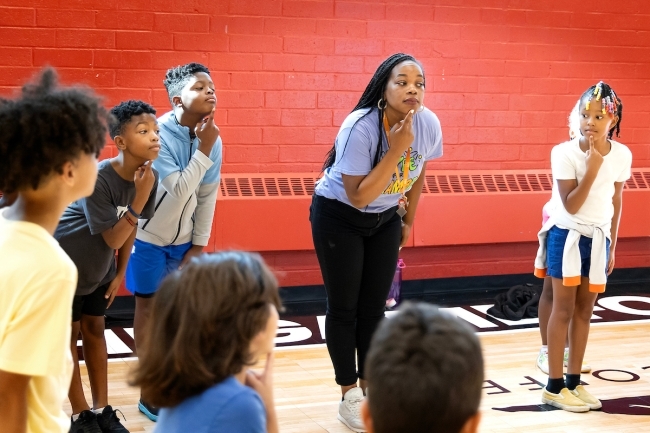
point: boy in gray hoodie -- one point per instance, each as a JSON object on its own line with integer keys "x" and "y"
{"x": 189, "y": 164}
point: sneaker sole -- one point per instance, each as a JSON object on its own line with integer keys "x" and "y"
{"x": 592, "y": 406}
{"x": 146, "y": 412}
{"x": 358, "y": 430}
{"x": 574, "y": 409}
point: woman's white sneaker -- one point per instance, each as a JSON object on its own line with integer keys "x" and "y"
{"x": 350, "y": 410}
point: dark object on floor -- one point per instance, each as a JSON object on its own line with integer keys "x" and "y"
{"x": 620, "y": 406}
{"x": 519, "y": 302}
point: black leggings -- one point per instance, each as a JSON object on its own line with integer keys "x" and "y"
{"x": 357, "y": 253}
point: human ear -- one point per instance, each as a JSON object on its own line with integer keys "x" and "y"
{"x": 68, "y": 173}
{"x": 366, "y": 417}
{"x": 119, "y": 142}
{"x": 471, "y": 425}
{"x": 176, "y": 101}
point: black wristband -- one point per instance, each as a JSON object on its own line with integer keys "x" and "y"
{"x": 134, "y": 213}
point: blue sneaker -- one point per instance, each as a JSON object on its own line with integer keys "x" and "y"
{"x": 149, "y": 411}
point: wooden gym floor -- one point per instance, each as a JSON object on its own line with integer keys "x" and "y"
{"x": 307, "y": 398}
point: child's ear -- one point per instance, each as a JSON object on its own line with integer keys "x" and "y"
{"x": 68, "y": 173}
{"x": 613, "y": 126}
{"x": 176, "y": 101}
{"x": 119, "y": 142}
{"x": 471, "y": 425}
{"x": 366, "y": 417}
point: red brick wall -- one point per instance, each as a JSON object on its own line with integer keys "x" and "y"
{"x": 502, "y": 74}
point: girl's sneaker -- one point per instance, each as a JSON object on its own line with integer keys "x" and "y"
{"x": 542, "y": 361}
{"x": 565, "y": 400}
{"x": 586, "y": 368}
{"x": 589, "y": 399}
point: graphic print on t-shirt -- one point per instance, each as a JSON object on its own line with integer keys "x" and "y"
{"x": 395, "y": 185}
{"x": 121, "y": 210}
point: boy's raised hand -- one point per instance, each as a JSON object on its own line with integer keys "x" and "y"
{"x": 207, "y": 133}
{"x": 144, "y": 180}
{"x": 263, "y": 385}
{"x": 594, "y": 159}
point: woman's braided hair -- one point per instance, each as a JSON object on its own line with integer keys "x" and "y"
{"x": 370, "y": 98}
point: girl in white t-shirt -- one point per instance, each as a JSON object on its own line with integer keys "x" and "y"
{"x": 589, "y": 173}
{"x": 546, "y": 298}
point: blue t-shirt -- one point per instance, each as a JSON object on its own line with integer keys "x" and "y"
{"x": 227, "y": 407}
{"x": 356, "y": 146}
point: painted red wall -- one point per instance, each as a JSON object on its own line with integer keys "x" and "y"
{"x": 501, "y": 74}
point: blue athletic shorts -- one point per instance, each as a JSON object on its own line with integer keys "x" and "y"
{"x": 149, "y": 264}
{"x": 555, "y": 240}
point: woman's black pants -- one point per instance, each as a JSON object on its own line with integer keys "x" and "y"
{"x": 357, "y": 253}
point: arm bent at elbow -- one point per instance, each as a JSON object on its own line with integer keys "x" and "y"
{"x": 206, "y": 199}
{"x": 118, "y": 235}
{"x": 574, "y": 194}
{"x": 363, "y": 190}
{"x": 180, "y": 184}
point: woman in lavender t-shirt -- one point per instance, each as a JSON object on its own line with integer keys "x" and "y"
{"x": 363, "y": 210}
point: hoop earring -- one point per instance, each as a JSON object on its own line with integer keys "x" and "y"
{"x": 379, "y": 104}
{"x": 421, "y": 109}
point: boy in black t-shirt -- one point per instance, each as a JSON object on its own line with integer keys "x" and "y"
{"x": 90, "y": 231}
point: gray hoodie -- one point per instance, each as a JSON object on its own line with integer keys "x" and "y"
{"x": 187, "y": 191}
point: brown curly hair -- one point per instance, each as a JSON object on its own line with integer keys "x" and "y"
{"x": 203, "y": 320}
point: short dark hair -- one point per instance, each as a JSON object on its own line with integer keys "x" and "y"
{"x": 45, "y": 127}
{"x": 424, "y": 371}
{"x": 611, "y": 103}
{"x": 124, "y": 111}
{"x": 176, "y": 78}
{"x": 206, "y": 316}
